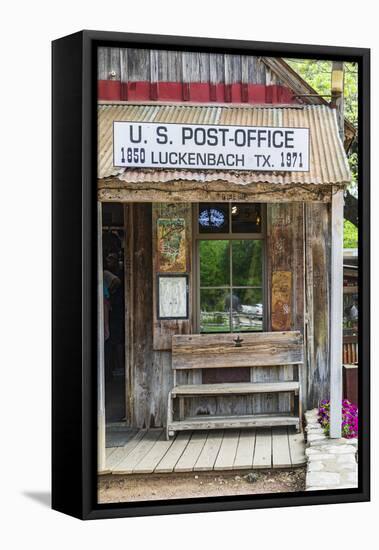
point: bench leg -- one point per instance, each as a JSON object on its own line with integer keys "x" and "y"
{"x": 181, "y": 408}
{"x": 300, "y": 398}
{"x": 292, "y": 403}
{"x": 169, "y": 416}
{"x": 300, "y": 415}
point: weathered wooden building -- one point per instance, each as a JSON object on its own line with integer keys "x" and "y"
{"x": 289, "y": 222}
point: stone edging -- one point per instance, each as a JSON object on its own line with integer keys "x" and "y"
{"x": 331, "y": 463}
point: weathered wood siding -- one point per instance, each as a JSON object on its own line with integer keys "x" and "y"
{"x": 131, "y": 64}
{"x": 131, "y": 74}
{"x": 298, "y": 242}
{"x": 215, "y": 351}
{"x": 150, "y": 373}
{"x": 163, "y": 330}
{"x": 285, "y": 255}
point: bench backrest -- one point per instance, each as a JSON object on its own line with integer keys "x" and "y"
{"x": 261, "y": 349}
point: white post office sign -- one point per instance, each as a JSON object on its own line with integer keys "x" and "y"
{"x": 189, "y": 146}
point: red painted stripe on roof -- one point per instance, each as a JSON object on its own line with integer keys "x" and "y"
{"x": 202, "y": 92}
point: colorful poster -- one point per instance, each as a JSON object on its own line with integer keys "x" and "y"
{"x": 171, "y": 237}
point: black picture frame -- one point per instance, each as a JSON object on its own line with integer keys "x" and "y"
{"x": 74, "y": 454}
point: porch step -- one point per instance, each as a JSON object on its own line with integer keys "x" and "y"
{"x": 221, "y": 422}
{"x": 236, "y": 388}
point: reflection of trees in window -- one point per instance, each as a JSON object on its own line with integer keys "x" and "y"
{"x": 231, "y": 269}
{"x": 247, "y": 262}
{"x": 214, "y": 263}
{"x": 230, "y": 285}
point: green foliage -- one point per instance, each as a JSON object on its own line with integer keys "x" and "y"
{"x": 247, "y": 262}
{"x": 318, "y": 75}
{"x": 350, "y": 235}
{"x": 214, "y": 263}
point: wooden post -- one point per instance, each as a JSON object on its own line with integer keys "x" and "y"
{"x": 336, "y": 314}
{"x": 337, "y": 86}
{"x": 100, "y": 348}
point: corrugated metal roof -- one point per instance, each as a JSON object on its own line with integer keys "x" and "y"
{"x": 328, "y": 162}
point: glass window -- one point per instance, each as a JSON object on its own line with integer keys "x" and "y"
{"x": 248, "y": 314}
{"x": 213, "y": 218}
{"x": 231, "y": 270}
{"x": 246, "y": 218}
{"x": 235, "y": 217}
{"x": 214, "y": 263}
{"x": 247, "y": 262}
{"x": 214, "y": 315}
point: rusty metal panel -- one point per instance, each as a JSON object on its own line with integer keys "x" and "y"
{"x": 281, "y": 291}
{"x": 328, "y": 162}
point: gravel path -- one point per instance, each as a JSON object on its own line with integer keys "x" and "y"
{"x": 112, "y": 488}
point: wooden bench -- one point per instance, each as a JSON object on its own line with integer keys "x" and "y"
{"x": 210, "y": 351}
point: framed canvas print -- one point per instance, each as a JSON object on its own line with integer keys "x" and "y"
{"x": 210, "y": 275}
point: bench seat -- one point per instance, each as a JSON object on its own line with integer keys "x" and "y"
{"x": 196, "y": 352}
{"x": 236, "y": 388}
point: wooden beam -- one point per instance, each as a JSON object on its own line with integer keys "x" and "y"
{"x": 337, "y": 86}
{"x": 336, "y": 314}
{"x": 115, "y": 190}
{"x": 101, "y": 459}
{"x": 220, "y": 351}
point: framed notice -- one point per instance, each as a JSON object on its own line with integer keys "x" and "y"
{"x": 172, "y": 296}
{"x": 210, "y": 197}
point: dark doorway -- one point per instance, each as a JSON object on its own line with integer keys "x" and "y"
{"x": 114, "y": 311}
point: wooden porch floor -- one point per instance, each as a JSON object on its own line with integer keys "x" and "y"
{"x": 148, "y": 451}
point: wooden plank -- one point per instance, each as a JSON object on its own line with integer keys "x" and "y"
{"x": 336, "y": 314}
{"x": 149, "y": 386}
{"x": 189, "y": 457}
{"x": 163, "y": 329}
{"x": 234, "y": 388}
{"x": 218, "y": 351}
{"x": 101, "y": 457}
{"x": 149, "y": 462}
{"x": 143, "y": 386}
{"x": 118, "y": 438}
{"x": 280, "y": 448}
{"x": 116, "y": 190}
{"x": 227, "y": 452}
{"x": 245, "y": 450}
{"x": 169, "y": 460}
{"x": 263, "y": 449}
{"x": 109, "y": 451}
{"x": 285, "y": 242}
{"x": 121, "y": 453}
{"x": 102, "y": 63}
{"x": 210, "y": 451}
{"x": 138, "y": 64}
{"x": 297, "y": 448}
{"x": 127, "y": 465}
{"x": 184, "y": 343}
{"x": 222, "y": 422}
{"x": 317, "y": 246}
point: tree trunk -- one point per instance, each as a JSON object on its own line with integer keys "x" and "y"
{"x": 351, "y": 208}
